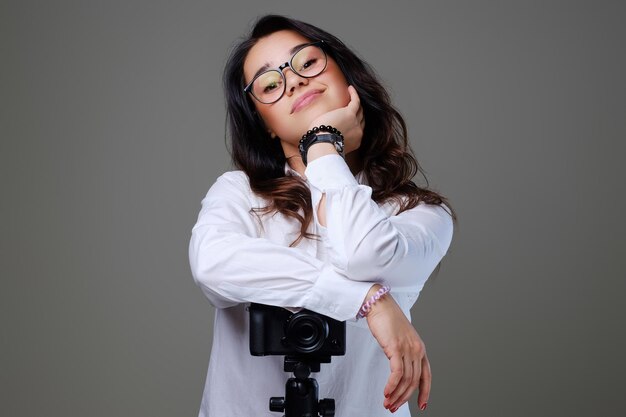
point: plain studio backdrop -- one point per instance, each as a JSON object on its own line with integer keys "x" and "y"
{"x": 112, "y": 130}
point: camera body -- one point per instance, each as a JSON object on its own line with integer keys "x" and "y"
{"x": 277, "y": 331}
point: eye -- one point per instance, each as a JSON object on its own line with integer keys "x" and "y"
{"x": 268, "y": 82}
{"x": 309, "y": 63}
{"x": 270, "y": 87}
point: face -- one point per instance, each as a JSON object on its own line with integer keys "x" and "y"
{"x": 280, "y": 117}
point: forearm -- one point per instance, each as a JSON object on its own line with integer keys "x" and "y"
{"x": 233, "y": 264}
{"x": 318, "y": 150}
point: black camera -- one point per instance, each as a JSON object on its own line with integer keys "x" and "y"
{"x": 277, "y": 331}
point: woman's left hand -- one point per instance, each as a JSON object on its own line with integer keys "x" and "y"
{"x": 410, "y": 368}
{"x": 348, "y": 120}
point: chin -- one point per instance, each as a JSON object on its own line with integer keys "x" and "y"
{"x": 323, "y": 106}
{"x": 316, "y": 111}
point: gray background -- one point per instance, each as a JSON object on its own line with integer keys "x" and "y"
{"x": 112, "y": 130}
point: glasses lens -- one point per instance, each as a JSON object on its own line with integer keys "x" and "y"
{"x": 309, "y": 61}
{"x": 268, "y": 87}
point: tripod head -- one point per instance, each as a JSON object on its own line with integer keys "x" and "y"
{"x": 302, "y": 392}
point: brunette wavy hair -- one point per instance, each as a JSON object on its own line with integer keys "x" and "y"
{"x": 388, "y": 161}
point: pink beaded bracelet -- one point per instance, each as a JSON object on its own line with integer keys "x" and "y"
{"x": 367, "y": 306}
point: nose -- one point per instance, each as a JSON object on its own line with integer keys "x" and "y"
{"x": 292, "y": 80}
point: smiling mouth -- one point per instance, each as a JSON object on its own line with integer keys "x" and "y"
{"x": 308, "y": 99}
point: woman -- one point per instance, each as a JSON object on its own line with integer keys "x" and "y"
{"x": 299, "y": 226}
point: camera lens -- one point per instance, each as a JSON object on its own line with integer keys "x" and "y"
{"x": 306, "y": 332}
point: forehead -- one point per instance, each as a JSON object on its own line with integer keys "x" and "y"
{"x": 273, "y": 49}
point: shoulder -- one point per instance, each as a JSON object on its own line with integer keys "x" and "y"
{"x": 231, "y": 185}
{"x": 435, "y": 213}
{"x": 438, "y": 219}
{"x": 234, "y": 178}
{"x": 231, "y": 181}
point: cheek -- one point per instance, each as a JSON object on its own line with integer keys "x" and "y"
{"x": 340, "y": 91}
{"x": 344, "y": 95}
{"x": 274, "y": 119}
{"x": 339, "y": 95}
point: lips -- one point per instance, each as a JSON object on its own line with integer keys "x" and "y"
{"x": 300, "y": 101}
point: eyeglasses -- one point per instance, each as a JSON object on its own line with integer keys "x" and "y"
{"x": 307, "y": 62}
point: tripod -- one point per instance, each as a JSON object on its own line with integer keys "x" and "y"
{"x": 302, "y": 392}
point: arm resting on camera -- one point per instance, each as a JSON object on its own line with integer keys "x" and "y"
{"x": 232, "y": 265}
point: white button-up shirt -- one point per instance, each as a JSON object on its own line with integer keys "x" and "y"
{"x": 239, "y": 257}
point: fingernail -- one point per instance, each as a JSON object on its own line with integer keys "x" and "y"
{"x": 423, "y": 406}
{"x": 393, "y": 410}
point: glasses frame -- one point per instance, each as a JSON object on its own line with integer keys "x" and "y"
{"x": 320, "y": 43}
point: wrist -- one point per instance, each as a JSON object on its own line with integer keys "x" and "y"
{"x": 317, "y": 135}
{"x": 372, "y": 291}
{"x": 319, "y": 149}
{"x": 376, "y": 299}
{"x": 381, "y": 305}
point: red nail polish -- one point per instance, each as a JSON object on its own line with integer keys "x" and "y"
{"x": 394, "y": 409}
{"x": 423, "y": 407}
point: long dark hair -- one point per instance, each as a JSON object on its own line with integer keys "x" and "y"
{"x": 388, "y": 162}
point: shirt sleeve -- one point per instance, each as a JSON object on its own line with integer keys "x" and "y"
{"x": 232, "y": 264}
{"x": 367, "y": 243}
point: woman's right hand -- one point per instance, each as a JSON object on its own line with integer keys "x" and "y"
{"x": 348, "y": 120}
{"x": 405, "y": 350}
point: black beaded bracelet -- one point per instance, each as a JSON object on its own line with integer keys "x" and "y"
{"x": 321, "y": 128}
{"x": 309, "y": 138}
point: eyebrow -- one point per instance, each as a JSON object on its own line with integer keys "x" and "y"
{"x": 267, "y": 64}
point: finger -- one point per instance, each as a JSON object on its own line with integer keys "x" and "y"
{"x": 355, "y": 102}
{"x": 415, "y": 381}
{"x": 396, "y": 365}
{"x": 359, "y": 114}
{"x": 360, "y": 118}
{"x": 425, "y": 382}
{"x": 396, "y": 399}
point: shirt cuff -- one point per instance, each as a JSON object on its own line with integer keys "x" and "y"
{"x": 329, "y": 171}
{"x": 336, "y": 296}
